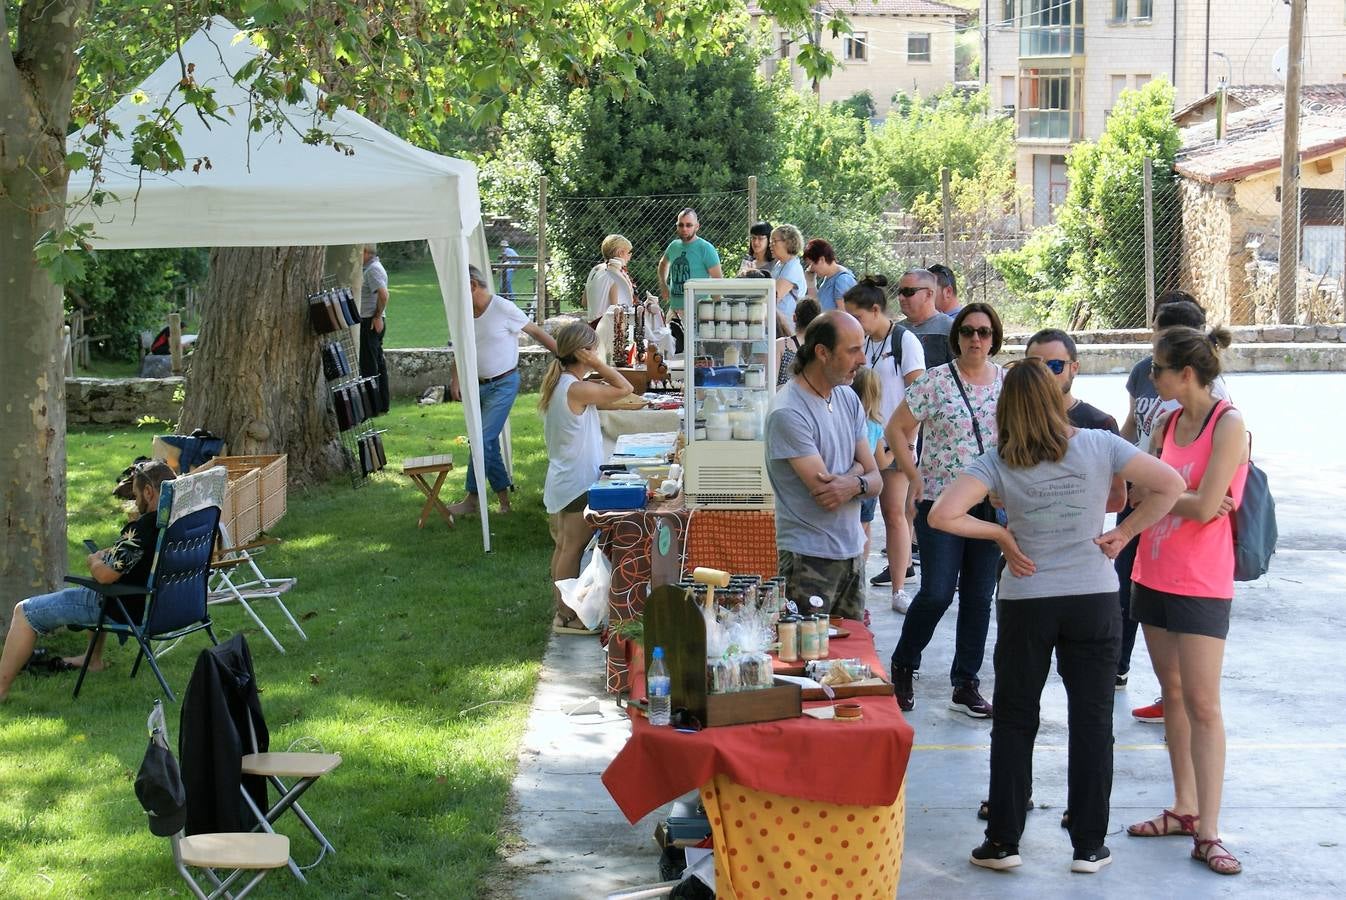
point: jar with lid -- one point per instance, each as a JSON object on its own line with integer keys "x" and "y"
{"x": 756, "y": 331}
{"x": 705, "y": 330}
{"x": 705, "y": 311}
{"x": 724, "y": 331}
{"x": 788, "y": 630}
{"x": 740, "y": 331}
{"x": 724, "y": 311}
{"x": 756, "y": 311}
{"x": 808, "y": 638}
{"x": 824, "y": 636}
{"x": 739, "y": 311}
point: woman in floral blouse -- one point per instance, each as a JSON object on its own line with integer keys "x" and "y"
{"x": 954, "y": 405}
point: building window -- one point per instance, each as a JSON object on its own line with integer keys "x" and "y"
{"x": 1007, "y": 99}
{"x": 1050, "y": 104}
{"x": 1144, "y": 10}
{"x": 1006, "y": 12}
{"x": 918, "y": 46}
{"x": 1142, "y": 80}
{"x": 855, "y": 46}
{"x": 784, "y": 45}
{"x": 1118, "y": 12}
{"x": 1052, "y": 28}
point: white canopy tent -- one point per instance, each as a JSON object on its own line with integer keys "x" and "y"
{"x": 270, "y": 189}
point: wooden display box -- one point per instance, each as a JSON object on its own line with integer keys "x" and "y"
{"x": 673, "y": 621}
{"x": 241, "y": 508}
{"x": 270, "y": 489}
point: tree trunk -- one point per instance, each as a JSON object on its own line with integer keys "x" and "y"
{"x": 256, "y": 375}
{"x": 36, "y": 80}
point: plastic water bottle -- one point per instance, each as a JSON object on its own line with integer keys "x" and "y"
{"x": 657, "y": 687}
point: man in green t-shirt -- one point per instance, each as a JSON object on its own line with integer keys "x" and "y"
{"x": 686, "y": 257}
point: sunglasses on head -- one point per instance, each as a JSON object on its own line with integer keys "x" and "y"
{"x": 1056, "y": 365}
{"x": 984, "y": 332}
{"x": 911, "y": 291}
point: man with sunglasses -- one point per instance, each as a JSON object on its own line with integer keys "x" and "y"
{"x": 686, "y": 257}
{"x": 1058, "y": 352}
{"x": 917, "y": 291}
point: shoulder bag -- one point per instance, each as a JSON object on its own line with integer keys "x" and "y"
{"x": 984, "y": 510}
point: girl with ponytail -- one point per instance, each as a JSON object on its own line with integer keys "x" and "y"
{"x": 569, "y": 407}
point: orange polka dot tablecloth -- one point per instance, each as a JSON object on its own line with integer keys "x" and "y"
{"x": 769, "y": 846}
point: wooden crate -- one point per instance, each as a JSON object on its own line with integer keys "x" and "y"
{"x": 271, "y": 484}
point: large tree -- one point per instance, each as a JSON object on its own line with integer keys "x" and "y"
{"x": 422, "y": 65}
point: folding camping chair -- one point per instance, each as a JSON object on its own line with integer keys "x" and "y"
{"x": 236, "y": 577}
{"x": 159, "y": 786}
{"x": 175, "y": 594}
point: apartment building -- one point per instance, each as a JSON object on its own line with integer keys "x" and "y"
{"x": 894, "y": 45}
{"x": 1059, "y": 66}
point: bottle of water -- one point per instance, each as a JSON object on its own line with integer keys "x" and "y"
{"x": 657, "y": 687}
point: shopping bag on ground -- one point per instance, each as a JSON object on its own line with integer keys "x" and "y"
{"x": 587, "y": 595}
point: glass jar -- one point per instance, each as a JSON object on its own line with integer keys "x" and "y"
{"x": 724, "y": 331}
{"x": 740, "y": 331}
{"x": 756, "y": 332}
{"x": 724, "y": 311}
{"x": 705, "y": 311}
{"x": 739, "y": 311}
{"x": 756, "y": 311}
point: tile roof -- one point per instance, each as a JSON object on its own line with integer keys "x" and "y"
{"x": 1253, "y": 138}
{"x": 1311, "y": 97}
{"x": 886, "y": 8}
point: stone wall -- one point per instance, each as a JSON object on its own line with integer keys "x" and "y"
{"x": 121, "y": 401}
{"x": 1208, "y": 257}
{"x": 410, "y": 372}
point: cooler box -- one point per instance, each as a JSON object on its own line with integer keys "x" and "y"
{"x": 607, "y": 495}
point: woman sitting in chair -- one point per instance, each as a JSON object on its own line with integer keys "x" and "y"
{"x": 129, "y": 559}
{"x": 569, "y": 406}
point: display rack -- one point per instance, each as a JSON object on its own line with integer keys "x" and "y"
{"x": 350, "y": 396}
{"x": 730, "y": 381}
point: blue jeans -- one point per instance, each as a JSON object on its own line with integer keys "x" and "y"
{"x": 950, "y": 563}
{"x": 497, "y": 398}
{"x": 73, "y": 606}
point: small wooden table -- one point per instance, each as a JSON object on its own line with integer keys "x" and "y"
{"x": 417, "y": 469}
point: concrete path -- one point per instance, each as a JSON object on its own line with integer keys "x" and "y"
{"x": 1285, "y": 788}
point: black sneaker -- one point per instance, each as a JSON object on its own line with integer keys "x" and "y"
{"x": 1120, "y": 682}
{"x": 884, "y": 577}
{"x": 1090, "y": 861}
{"x": 991, "y": 855}
{"x": 1065, "y": 820}
{"x": 911, "y": 571}
{"x": 968, "y": 700}
{"x": 903, "y": 687}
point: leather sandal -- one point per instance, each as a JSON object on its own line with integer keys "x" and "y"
{"x": 1222, "y": 862}
{"x": 1172, "y": 825}
{"x": 570, "y": 624}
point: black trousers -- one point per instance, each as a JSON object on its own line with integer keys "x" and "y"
{"x": 1124, "y": 563}
{"x": 371, "y": 361}
{"x": 1085, "y": 631}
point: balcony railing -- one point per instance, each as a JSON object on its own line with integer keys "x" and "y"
{"x": 1051, "y": 124}
{"x": 1051, "y": 40}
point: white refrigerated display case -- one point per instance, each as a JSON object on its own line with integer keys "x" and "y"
{"x": 730, "y": 381}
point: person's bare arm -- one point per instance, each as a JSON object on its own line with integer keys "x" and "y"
{"x": 663, "y": 277}
{"x": 950, "y": 513}
{"x": 1129, "y": 426}
{"x": 380, "y": 304}
{"x": 1228, "y": 451}
{"x": 900, "y": 434}
{"x": 100, "y": 570}
{"x": 539, "y": 334}
{"x": 1160, "y": 486}
{"x": 614, "y": 385}
{"x": 1116, "y": 495}
{"x": 834, "y": 489}
{"x": 716, "y": 271}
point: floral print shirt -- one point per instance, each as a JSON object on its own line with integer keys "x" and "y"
{"x": 948, "y": 442}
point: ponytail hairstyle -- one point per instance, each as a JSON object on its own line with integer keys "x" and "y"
{"x": 1179, "y": 347}
{"x": 570, "y": 340}
{"x": 1030, "y": 416}
{"x": 870, "y": 292}
{"x": 870, "y": 391}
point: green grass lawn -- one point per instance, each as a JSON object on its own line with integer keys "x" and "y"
{"x": 422, "y": 657}
{"x": 416, "y": 308}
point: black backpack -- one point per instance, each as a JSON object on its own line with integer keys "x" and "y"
{"x": 1254, "y": 522}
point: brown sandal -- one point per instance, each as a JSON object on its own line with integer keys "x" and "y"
{"x": 570, "y": 624}
{"x": 1221, "y": 863}
{"x": 1172, "y": 824}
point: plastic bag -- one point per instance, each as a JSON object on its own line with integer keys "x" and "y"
{"x": 587, "y": 595}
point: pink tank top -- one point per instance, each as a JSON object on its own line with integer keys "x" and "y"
{"x": 1183, "y": 556}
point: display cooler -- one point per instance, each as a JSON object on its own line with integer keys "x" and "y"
{"x": 730, "y": 344}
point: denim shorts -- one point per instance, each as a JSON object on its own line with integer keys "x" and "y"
{"x": 74, "y": 606}
{"x": 867, "y": 507}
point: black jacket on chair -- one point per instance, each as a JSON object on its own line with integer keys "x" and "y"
{"x": 213, "y": 736}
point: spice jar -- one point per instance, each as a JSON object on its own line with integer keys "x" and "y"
{"x": 788, "y": 630}
{"x": 824, "y": 636}
{"x": 808, "y": 638}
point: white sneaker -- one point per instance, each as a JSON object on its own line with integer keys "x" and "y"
{"x": 901, "y": 602}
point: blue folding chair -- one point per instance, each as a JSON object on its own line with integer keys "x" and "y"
{"x": 175, "y": 594}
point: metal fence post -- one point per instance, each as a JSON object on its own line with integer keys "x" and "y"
{"x": 540, "y": 313}
{"x": 752, "y": 200}
{"x": 1149, "y": 239}
{"x": 946, "y": 209}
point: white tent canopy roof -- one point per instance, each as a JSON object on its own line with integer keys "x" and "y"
{"x": 270, "y": 189}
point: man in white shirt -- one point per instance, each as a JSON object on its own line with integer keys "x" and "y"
{"x": 496, "y": 323}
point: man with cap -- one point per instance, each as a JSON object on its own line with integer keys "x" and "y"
{"x": 496, "y": 322}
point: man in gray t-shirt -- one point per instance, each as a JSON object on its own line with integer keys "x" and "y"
{"x": 820, "y": 466}
{"x": 916, "y": 294}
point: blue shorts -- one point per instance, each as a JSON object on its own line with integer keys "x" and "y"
{"x": 867, "y": 508}
{"x": 75, "y": 606}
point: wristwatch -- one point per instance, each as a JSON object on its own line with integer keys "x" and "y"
{"x": 864, "y": 488}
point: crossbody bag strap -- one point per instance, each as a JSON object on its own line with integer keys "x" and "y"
{"x": 976, "y": 429}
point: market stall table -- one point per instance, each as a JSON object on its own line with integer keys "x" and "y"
{"x": 796, "y": 805}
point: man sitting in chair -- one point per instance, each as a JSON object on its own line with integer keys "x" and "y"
{"x": 130, "y": 558}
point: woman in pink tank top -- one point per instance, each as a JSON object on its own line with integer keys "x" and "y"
{"x": 1183, "y": 584}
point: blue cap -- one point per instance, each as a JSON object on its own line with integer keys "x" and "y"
{"x": 658, "y": 652}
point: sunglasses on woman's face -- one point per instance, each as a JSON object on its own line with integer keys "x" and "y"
{"x": 984, "y": 332}
{"x": 911, "y": 291}
{"x": 1156, "y": 369}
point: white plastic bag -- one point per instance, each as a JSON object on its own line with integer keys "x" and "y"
{"x": 587, "y": 595}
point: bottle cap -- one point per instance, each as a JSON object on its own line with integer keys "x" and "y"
{"x": 815, "y": 600}
{"x": 658, "y": 652}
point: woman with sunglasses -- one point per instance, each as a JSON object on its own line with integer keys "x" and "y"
{"x": 1058, "y": 594}
{"x": 955, "y": 406}
{"x": 1183, "y": 584}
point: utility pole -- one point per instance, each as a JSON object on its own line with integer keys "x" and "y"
{"x": 1289, "y": 253}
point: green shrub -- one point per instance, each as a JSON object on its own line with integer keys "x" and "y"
{"x": 125, "y": 292}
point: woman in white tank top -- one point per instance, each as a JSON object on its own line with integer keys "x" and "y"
{"x": 569, "y": 407}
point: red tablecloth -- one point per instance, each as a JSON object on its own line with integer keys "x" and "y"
{"x": 847, "y": 763}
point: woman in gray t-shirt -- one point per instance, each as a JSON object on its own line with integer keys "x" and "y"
{"x": 1058, "y": 593}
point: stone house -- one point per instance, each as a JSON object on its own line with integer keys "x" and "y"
{"x": 1231, "y": 210}
{"x": 894, "y": 45}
